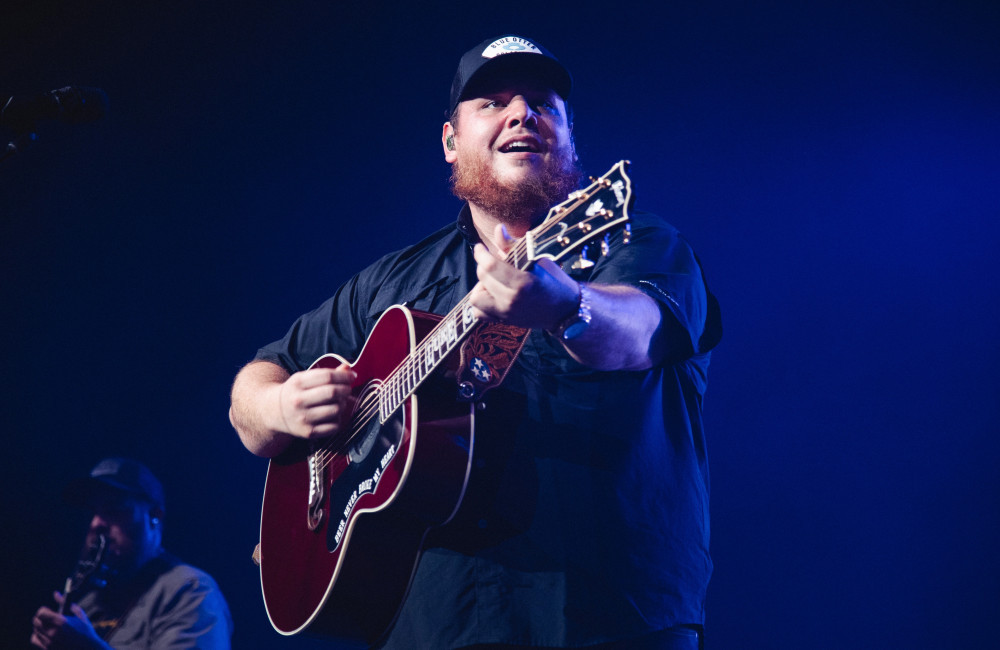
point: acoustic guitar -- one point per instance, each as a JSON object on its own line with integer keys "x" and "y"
{"x": 343, "y": 519}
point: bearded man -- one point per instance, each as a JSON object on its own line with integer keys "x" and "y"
{"x": 584, "y": 516}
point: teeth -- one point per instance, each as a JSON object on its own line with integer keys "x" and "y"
{"x": 519, "y": 146}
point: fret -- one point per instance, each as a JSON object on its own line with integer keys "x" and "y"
{"x": 383, "y": 412}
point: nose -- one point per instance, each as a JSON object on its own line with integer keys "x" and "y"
{"x": 98, "y": 524}
{"x": 519, "y": 112}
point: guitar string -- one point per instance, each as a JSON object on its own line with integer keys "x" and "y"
{"x": 336, "y": 444}
{"x": 325, "y": 454}
{"x": 392, "y": 383}
{"x": 328, "y": 452}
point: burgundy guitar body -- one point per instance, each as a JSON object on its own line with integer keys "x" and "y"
{"x": 341, "y": 565}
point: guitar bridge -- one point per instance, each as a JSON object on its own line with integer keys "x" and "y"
{"x": 314, "y": 511}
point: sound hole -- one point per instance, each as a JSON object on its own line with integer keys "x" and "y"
{"x": 373, "y": 448}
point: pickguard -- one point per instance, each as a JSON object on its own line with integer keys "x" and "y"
{"x": 376, "y": 446}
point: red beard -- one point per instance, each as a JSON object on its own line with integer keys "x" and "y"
{"x": 521, "y": 204}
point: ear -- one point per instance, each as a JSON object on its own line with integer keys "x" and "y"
{"x": 155, "y": 517}
{"x": 448, "y": 132}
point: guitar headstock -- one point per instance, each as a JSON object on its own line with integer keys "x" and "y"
{"x": 90, "y": 572}
{"x": 587, "y": 216}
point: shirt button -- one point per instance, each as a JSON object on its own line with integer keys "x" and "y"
{"x": 481, "y": 523}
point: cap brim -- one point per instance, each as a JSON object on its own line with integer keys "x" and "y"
{"x": 537, "y": 67}
{"x": 82, "y": 492}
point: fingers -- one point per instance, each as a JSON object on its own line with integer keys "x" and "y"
{"x": 39, "y": 640}
{"x": 501, "y": 280}
{"x": 319, "y": 376}
{"x": 316, "y": 402}
{"x": 538, "y": 298}
{"x": 487, "y": 261}
{"x": 79, "y": 613}
{"x": 44, "y": 625}
{"x": 45, "y": 617}
{"x": 480, "y": 300}
{"x": 501, "y": 287}
{"x": 321, "y": 386}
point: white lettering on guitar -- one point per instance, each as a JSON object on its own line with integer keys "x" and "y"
{"x": 365, "y": 486}
{"x": 388, "y": 455}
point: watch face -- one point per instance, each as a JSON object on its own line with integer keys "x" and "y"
{"x": 574, "y": 329}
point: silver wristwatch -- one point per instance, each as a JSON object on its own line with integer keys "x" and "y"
{"x": 575, "y": 324}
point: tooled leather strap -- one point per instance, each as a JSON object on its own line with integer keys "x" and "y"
{"x": 486, "y": 357}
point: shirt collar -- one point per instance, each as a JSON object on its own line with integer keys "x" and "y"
{"x": 466, "y": 227}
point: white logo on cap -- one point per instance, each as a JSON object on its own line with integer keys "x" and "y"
{"x": 508, "y": 45}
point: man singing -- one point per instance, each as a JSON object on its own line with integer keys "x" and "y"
{"x": 585, "y": 518}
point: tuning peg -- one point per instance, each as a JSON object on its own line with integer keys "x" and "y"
{"x": 627, "y": 234}
{"x": 583, "y": 261}
{"x": 605, "y": 246}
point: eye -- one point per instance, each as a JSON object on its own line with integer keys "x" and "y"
{"x": 493, "y": 103}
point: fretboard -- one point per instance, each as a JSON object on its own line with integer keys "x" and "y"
{"x": 428, "y": 355}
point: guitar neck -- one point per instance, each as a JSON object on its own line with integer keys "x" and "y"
{"x": 87, "y": 568}
{"x": 426, "y": 357}
{"x": 586, "y": 216}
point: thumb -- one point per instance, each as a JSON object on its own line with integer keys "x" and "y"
{"x": 503, "y": 238}
{"x": 79, "y": 613}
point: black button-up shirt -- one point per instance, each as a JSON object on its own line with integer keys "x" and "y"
{"x": 586, "y": 514}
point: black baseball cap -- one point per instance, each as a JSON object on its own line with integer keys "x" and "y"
{"x": 508, "y": 54}
{"x": 122, "y": 475}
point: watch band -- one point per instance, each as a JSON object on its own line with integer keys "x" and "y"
{"x": 575, "y": 324}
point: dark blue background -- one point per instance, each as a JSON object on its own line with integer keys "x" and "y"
{"x": 835, "y": 165}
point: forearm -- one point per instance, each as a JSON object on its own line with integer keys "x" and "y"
{"x": 622, "y": 334}
{"x": 255, "y": 411}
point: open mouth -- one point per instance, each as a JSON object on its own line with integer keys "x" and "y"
{"x": 521, "y": 147}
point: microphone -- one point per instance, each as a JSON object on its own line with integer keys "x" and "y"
{"x": 72, "y": 105}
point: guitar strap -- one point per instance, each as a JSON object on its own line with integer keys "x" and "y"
{"x": 486, "y": 357}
